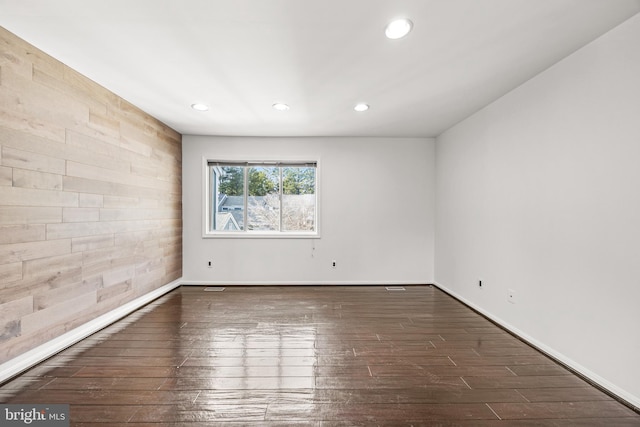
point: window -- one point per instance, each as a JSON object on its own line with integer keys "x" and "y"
{"x": 261, "y": 198}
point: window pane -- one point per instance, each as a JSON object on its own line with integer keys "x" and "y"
{"x": 298, "y": 198}
{"x": 228, "y": 188}
{"x": 263, "y": 197}
{"x": 263, "y": 202}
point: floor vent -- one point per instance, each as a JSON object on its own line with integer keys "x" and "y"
{"x": 214, "y": 289}
{"x": 395, "y": 288}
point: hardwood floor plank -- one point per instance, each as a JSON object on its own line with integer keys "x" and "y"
{"x": 561, "y": 410}
{"x": 549, "y": 394}
{"x": 456, "y": 371}
{"x": 539, "y": 370}
{"x": 120, "y": 414}
{"x": 556, "y": 381}
{"x": 239, "y": 383}
{"x": 201, "y": 413}
{"x": 104, "y": 383}
{"x": 380, "y": 412}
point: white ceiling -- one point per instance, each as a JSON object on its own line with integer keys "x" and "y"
{"x": 321, "y": 57}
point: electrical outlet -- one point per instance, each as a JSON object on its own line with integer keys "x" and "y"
{"x": 511, "y": 296}
{"x": 333, "y": 264}
{"x": 210, "y": 264}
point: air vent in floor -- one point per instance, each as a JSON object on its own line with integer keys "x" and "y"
{"x": 395, "y": 288}
{"x": 214, "y": 289}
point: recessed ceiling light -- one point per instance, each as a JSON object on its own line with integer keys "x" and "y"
{"x": 361, "y": 107}
{"x": 398, "y": 28}
{"x": 280, "y": 106}
{"x": 200, "y": 107}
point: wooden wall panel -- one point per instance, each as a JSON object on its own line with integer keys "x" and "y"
{"x": 80, "y": 214}
{"x": 22, "y": 233}
{"x": 12, "y": 138}
{"x": 10, "y": 272}
{"x": 90, "y": 199}
{"x": 29, "y": 215}
{"x": 19, "y": 159}
{"x": 6, "y": 175}
{"x": 32, "y": 179}
{"x": 17, "y": 196}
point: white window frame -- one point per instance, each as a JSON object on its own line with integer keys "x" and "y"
{"x": 255, "y": 234}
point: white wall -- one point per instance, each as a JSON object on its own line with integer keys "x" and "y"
{"x": 376, "y": 214}
{"x": 540, "y": 193}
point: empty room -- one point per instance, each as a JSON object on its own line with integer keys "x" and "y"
{"x": 320, "y": 213}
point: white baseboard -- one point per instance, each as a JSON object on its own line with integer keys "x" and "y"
{"x": 32, "y": 357}
{"x": 303, "y": 283}
{"x": 621, "y": 394}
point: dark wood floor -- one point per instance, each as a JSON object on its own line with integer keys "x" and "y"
{"x": 343, "y": 356}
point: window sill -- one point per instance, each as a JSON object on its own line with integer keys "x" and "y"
{"x": 260, "y": 235}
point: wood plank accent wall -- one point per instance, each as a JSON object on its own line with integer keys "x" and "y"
{"x": 90, "y": 199}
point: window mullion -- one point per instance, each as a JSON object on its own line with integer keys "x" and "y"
{"x": 246, "y": 198}
{"x": 280, "y": 196}
{"x": 213, "y": 194}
